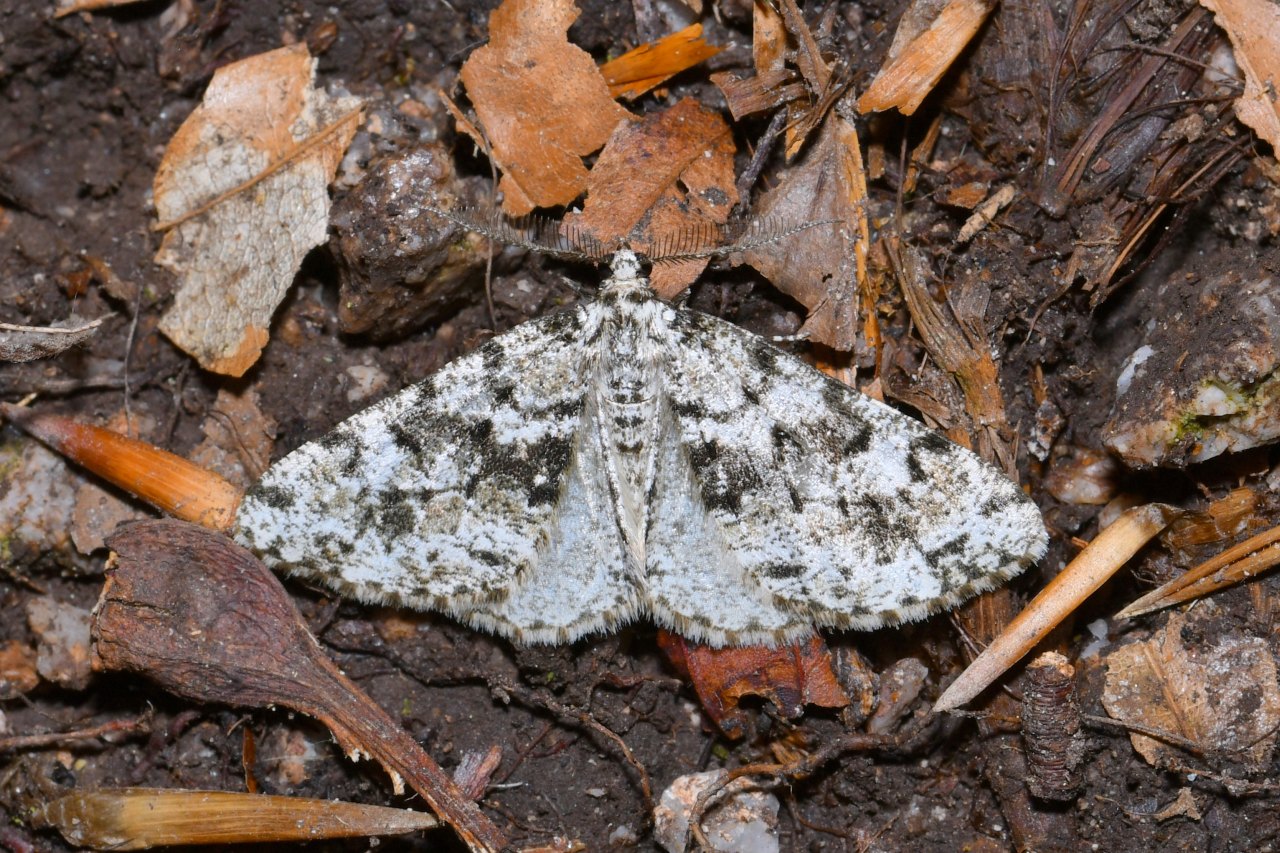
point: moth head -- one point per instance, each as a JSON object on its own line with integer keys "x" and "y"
{"x": 626, "y": 265}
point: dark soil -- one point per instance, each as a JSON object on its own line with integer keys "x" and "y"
{"x": 87, "y": 104}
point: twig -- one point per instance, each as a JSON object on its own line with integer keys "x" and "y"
{"x": 61, "y": 740}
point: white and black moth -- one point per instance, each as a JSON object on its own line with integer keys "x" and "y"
{"x": 628, "y": 458}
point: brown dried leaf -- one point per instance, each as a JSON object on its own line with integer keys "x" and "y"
{"x": 823, "y": 268}
{"x": 1184, "y": 805}
{"x": 1254, "y": 29}
{"x": 927, "y": 42}
{"x": 637, "y": 71}
{"x": 1220, "y": 695}
{"x": 659, "y": 175}
{"x": 243, "y": 193}
{"x": 238, "y": 439}
{"x": 541, "y": 101}
{"x": 27, "y": 343}
{"x": 790, "y": 676}
{"x": 768, "y": 40}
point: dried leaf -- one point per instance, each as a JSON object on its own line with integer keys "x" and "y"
{"x": 922, "y": 53}
{"x": 1220, "y": 695}
{"x": 768, "y": 40}
{"x": 658, "y": 175}
{"x": 637, "y": 71}
{"x": 823, "y": 269}
{"x": 1254, "y": 29}
{"x": 1184, "y": 805}
{"x": 789, "y": 676}
{"x": 541, "y": 101}
{"x": 27, "y": 343}
{"x": 772, "y": 84}
{"x": 242, "y": 191}
{"x": 238, "y": 439}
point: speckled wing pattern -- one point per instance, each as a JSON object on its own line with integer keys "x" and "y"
{"x": 458, "y": 492}
{"x": 832, "y": 508}
{"x": 628, "y": 458}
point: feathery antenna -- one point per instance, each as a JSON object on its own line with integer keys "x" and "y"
{"x": 569, "y": 240}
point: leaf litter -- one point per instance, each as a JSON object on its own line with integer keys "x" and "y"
{"x": 790, "y": 86}
{"x": 242, "y": 194}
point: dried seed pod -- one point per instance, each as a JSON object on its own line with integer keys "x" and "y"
{"x": 139, "y": 818}
{"x": 171, "y": 483}
{"x": 1051, "y": 728}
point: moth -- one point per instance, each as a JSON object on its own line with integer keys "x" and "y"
{"x": 628, "y": 458}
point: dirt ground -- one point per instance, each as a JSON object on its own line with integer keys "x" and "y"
{"x": 87, "y": 104}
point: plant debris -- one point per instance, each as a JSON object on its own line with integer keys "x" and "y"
{"x": 1064, "y": 257}
{"x": 242, "y": 194}
{"x": 647, "y": 66}
{"x": 202, "y": 617}
{"x": 929, "y": 38}
{"x": 789, "y": 677}
{"x": 140, "y": 818}
{"x": 1216, "y": 695}
{"x": 659, "y": 176}
{"x": 542, "y": 103}
{"x": 28, "y": 343}
{"x": 1254, "y": 29}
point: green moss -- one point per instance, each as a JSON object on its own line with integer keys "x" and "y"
{"x": 1190, "y": 425}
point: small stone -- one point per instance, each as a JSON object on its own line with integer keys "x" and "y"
{"x": 743, "y": 821}
{"x": 63, "y": 631}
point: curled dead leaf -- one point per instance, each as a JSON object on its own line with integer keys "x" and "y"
{"x": 824, "y": 269}
{"x": 1254, "y": 29}
{"x": 27, "y": 343}
{"x": 243, "y": 193}
{"x": 790, "y": 676}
